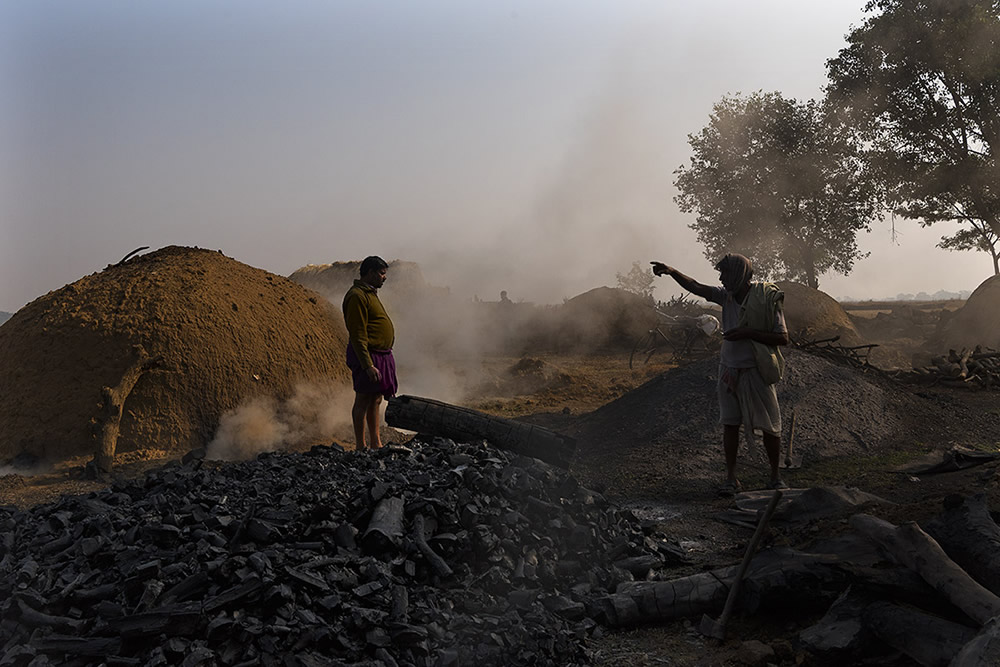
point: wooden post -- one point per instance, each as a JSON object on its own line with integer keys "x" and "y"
{"x": 113, "y": 401}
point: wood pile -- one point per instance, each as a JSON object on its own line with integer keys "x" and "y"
{"x": 976, "y": 368}
{"x": 830, "y": 348}
{"x": 930, "y": 593}
{"x": 440, "y": 553}
{"x": 431, "y": 554}
{"x": 966, "y": 369}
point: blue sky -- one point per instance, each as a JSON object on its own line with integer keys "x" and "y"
{"x": 526, "y": 146}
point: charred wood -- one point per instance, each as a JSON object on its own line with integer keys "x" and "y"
{"x": 464, "y": 425}
{"x": 440, "y": 566}
{"x": 982, "y": 650}
{"x": 385, "y": 527}
{"x": 910, "y": 546}
{"x": 930, "y": 640}
{"x": 967, "y": 533}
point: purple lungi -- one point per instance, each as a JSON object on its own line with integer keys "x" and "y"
{"x": 386, "y": 366}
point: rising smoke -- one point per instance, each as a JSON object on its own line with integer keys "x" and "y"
{"x": 314, "y": 414}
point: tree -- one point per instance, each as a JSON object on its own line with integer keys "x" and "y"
{"x": 921, "y": 79}
{"x": 980, "y": 237}
{"x": 637, "y": 281}
{"x": 781, "y": 182}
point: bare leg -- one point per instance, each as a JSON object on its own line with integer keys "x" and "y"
{"x": 362, "y": 402}
{"x": 772, "y": 445}
{"x": 731, "y": 445}
{"x": 372, "y": 417}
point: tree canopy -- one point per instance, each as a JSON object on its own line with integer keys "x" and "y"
{"x": 921, "y": 81}
{"x": 781, "y": 182}
{"x": 638, "y": 280}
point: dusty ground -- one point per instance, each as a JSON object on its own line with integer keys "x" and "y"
{"x": 648, "y": 477}
{"x": 562, "y": 391}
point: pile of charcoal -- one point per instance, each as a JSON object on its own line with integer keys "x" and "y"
{"x": 429, "y": 554}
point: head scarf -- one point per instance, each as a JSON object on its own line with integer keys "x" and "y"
{"x": 737, "y": 267}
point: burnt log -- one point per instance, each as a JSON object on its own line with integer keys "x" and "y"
{"x": 37, "y": 619}
{"x": 385, "y": 528}
{"x": 930, "y": 640}
{"x": 982, "y": 650}
{"x": 420, "y": 539}
{"x": 840, "y": 630}
{"x": 174, "y": 620}
{"x": 96, "y": 647}
{"x": 112, "y": 403}
{"x": 425, "y": 415}
{"x": 968, "y": 534}
{"x": 910, "y": 546}
{"x": 771, "y": 575}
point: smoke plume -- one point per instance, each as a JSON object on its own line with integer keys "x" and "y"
{"x": 313, "y": 414}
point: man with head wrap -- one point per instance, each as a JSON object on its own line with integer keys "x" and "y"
{"x": 750, "y": 363}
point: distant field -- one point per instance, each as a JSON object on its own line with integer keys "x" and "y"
{"x": 871, "y": 309}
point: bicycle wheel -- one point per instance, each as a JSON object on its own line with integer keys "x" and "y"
{"x": 684, "y": 347}
{"x": 645, "y": 347}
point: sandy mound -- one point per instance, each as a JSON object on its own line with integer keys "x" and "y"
{"x": 431, "y": 321}
{"x": 405, "y": 280}
{"x": 228, "y": 333}
{"x": 427, "y": 318}
{"x": 813, "y": 315}
{"x": 605, "y": 317}
{"x": 975, "y": 323}
{"x": 674, "y": 418}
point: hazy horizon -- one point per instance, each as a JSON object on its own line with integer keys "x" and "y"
{"x": 527, "y": 147}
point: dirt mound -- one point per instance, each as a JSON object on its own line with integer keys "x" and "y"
{"x": 975, "y": 323}
{"x": 405, "y": 279}
{"x": 227, "y": 332}
{"x": 604, "y": 317}
{"x": 527, "y": 376}
{"x": 814, "y": 315}
{"x": 666, "y": 433}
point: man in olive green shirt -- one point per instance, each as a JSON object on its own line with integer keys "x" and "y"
{"x": 369, "y": 350}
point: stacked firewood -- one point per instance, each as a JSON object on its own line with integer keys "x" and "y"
{"x": 929, "y": 592}
{"x": 968, "y": 369}
{"x": 977, "y": 368}
{"x": 830, "y": 348}
{"x": 430, "y": 554}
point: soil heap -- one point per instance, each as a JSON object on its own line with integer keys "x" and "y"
{"x": 814, "y": 315}
{"x": 665, "y": 435}
{"x": 405, "y": 280}
{"x": 605, "y": 317}
{"x": 227, "y": 333}
{"x": 426, "y": 317}
{"x": 975, "y": 323}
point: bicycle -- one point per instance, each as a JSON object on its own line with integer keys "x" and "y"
{"x": 686, "y": 333}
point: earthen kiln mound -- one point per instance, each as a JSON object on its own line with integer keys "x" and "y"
{"x": 814, "y": 315}
{"x": 227, "y": 332}
{"x": 975, "y": 323}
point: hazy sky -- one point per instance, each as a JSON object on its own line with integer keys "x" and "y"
{"x": 525, "y": 145}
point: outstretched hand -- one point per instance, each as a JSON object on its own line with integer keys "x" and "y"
{"x": 661, "y": 269}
